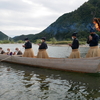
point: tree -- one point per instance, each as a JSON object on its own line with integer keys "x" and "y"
{"x": 53, "y": 40}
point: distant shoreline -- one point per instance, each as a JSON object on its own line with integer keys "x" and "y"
{"x": 66, "y": 45}
{"x": 60, "y": 45}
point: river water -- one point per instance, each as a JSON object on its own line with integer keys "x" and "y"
{"x": 19, "y": 82}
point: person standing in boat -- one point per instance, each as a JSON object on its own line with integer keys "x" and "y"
{"x": 75, "y": 45}
{"x": 28, "y": 49}
{"x": 42, "y": 53}
{"x": 93, "y": 41}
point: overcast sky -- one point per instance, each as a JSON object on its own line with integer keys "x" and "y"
{"x": 32, "y": 16}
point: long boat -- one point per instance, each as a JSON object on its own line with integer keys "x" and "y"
{"x": 84, "y": 65}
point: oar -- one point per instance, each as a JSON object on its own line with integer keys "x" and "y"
{"x": 4, "y": 59}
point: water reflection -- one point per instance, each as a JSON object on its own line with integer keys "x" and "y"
{"x": 26, "y": 83}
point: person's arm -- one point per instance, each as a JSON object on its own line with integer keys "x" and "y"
{"x": 23, "y": 45}
{"x": 46, "y": 47}
{"x": 41, "y": 46}
{"x": 14, "y": 53}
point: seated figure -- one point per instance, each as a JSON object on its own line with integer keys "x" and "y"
{"x": 2, "y": 51}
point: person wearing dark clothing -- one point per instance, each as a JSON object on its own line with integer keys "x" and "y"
{"x": 28, "y": 45}
{"x": 2, "y": 51}
{"x": 28, "y": 49}
{"x": 42, "y": 53}
{"x": 93, "y": 41}
{"x": 75, "y": 45}
{"x": 17, "y": 52}
{"x": 43, "y": 46}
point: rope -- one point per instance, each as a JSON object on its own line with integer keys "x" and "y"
{"x": 4, "y": 59}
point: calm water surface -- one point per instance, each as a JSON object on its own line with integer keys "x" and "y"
{"x": 19, "y": 82}
{"x": 53, "y": 51}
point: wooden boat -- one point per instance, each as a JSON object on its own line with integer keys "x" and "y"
{"x": 85, "y": 65}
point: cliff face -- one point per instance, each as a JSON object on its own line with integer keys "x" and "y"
{"x": 76, "y": 21}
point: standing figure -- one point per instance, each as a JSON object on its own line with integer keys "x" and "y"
{"x": 42, "y": 53}
{"x": 28, "y": 49}
{"x": 93, "y": 40}
{"x": 75, "y": 45}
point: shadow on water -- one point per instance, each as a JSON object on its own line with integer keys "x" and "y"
{"x": 28, "y": 83}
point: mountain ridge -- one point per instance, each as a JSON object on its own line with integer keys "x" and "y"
{"x": 3, "y": 36}
{"x": 75, "y": 21}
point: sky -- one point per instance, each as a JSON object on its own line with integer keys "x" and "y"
{"x": 19, "y": 17}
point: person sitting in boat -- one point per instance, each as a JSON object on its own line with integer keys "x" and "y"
{"x": 96, "y": 22}
{"x": 93, "y": 40}
{"x": 9, "y": 52}
{"x": 75, "y": 45}
{"x": 28, "y": 49}
{"x": 2, "y": 51}
{"x": 42, "y": 53}
{"x": 17, "y": 52}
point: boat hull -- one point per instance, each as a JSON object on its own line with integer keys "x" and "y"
{"x": 85, "y": 65}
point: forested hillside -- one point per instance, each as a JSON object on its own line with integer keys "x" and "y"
{"x": 76, "y": 21}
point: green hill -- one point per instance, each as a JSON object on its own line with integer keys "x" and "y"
{"x": 3, "y": 36}
{"x": 76, "y": 21}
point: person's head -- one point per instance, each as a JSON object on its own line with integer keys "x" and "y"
{"x": 17, "y": 49}
{"x": 8, "y": 49}
{"x": 74, "y": 35}
{"x": 0, "y": 48}
{"x": 43, "y": 39}
{"x": 26, "y": 39}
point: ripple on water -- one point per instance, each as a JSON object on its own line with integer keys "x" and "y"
{"x": 25, "y": 83}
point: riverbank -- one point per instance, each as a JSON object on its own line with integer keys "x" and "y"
{"x": 66, "y": 45}
{"x": 64, "y": 42}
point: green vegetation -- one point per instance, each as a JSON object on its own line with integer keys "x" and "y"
{"x": 10, "y": 41}
{"x": 3, "y": 36}
{"x": 38, "y": 41}
{"x": 6, "y": 41}
{"x": 20, "y": 41}
{"x": 65, "y": 42}
{"x": 53, "y": 40}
